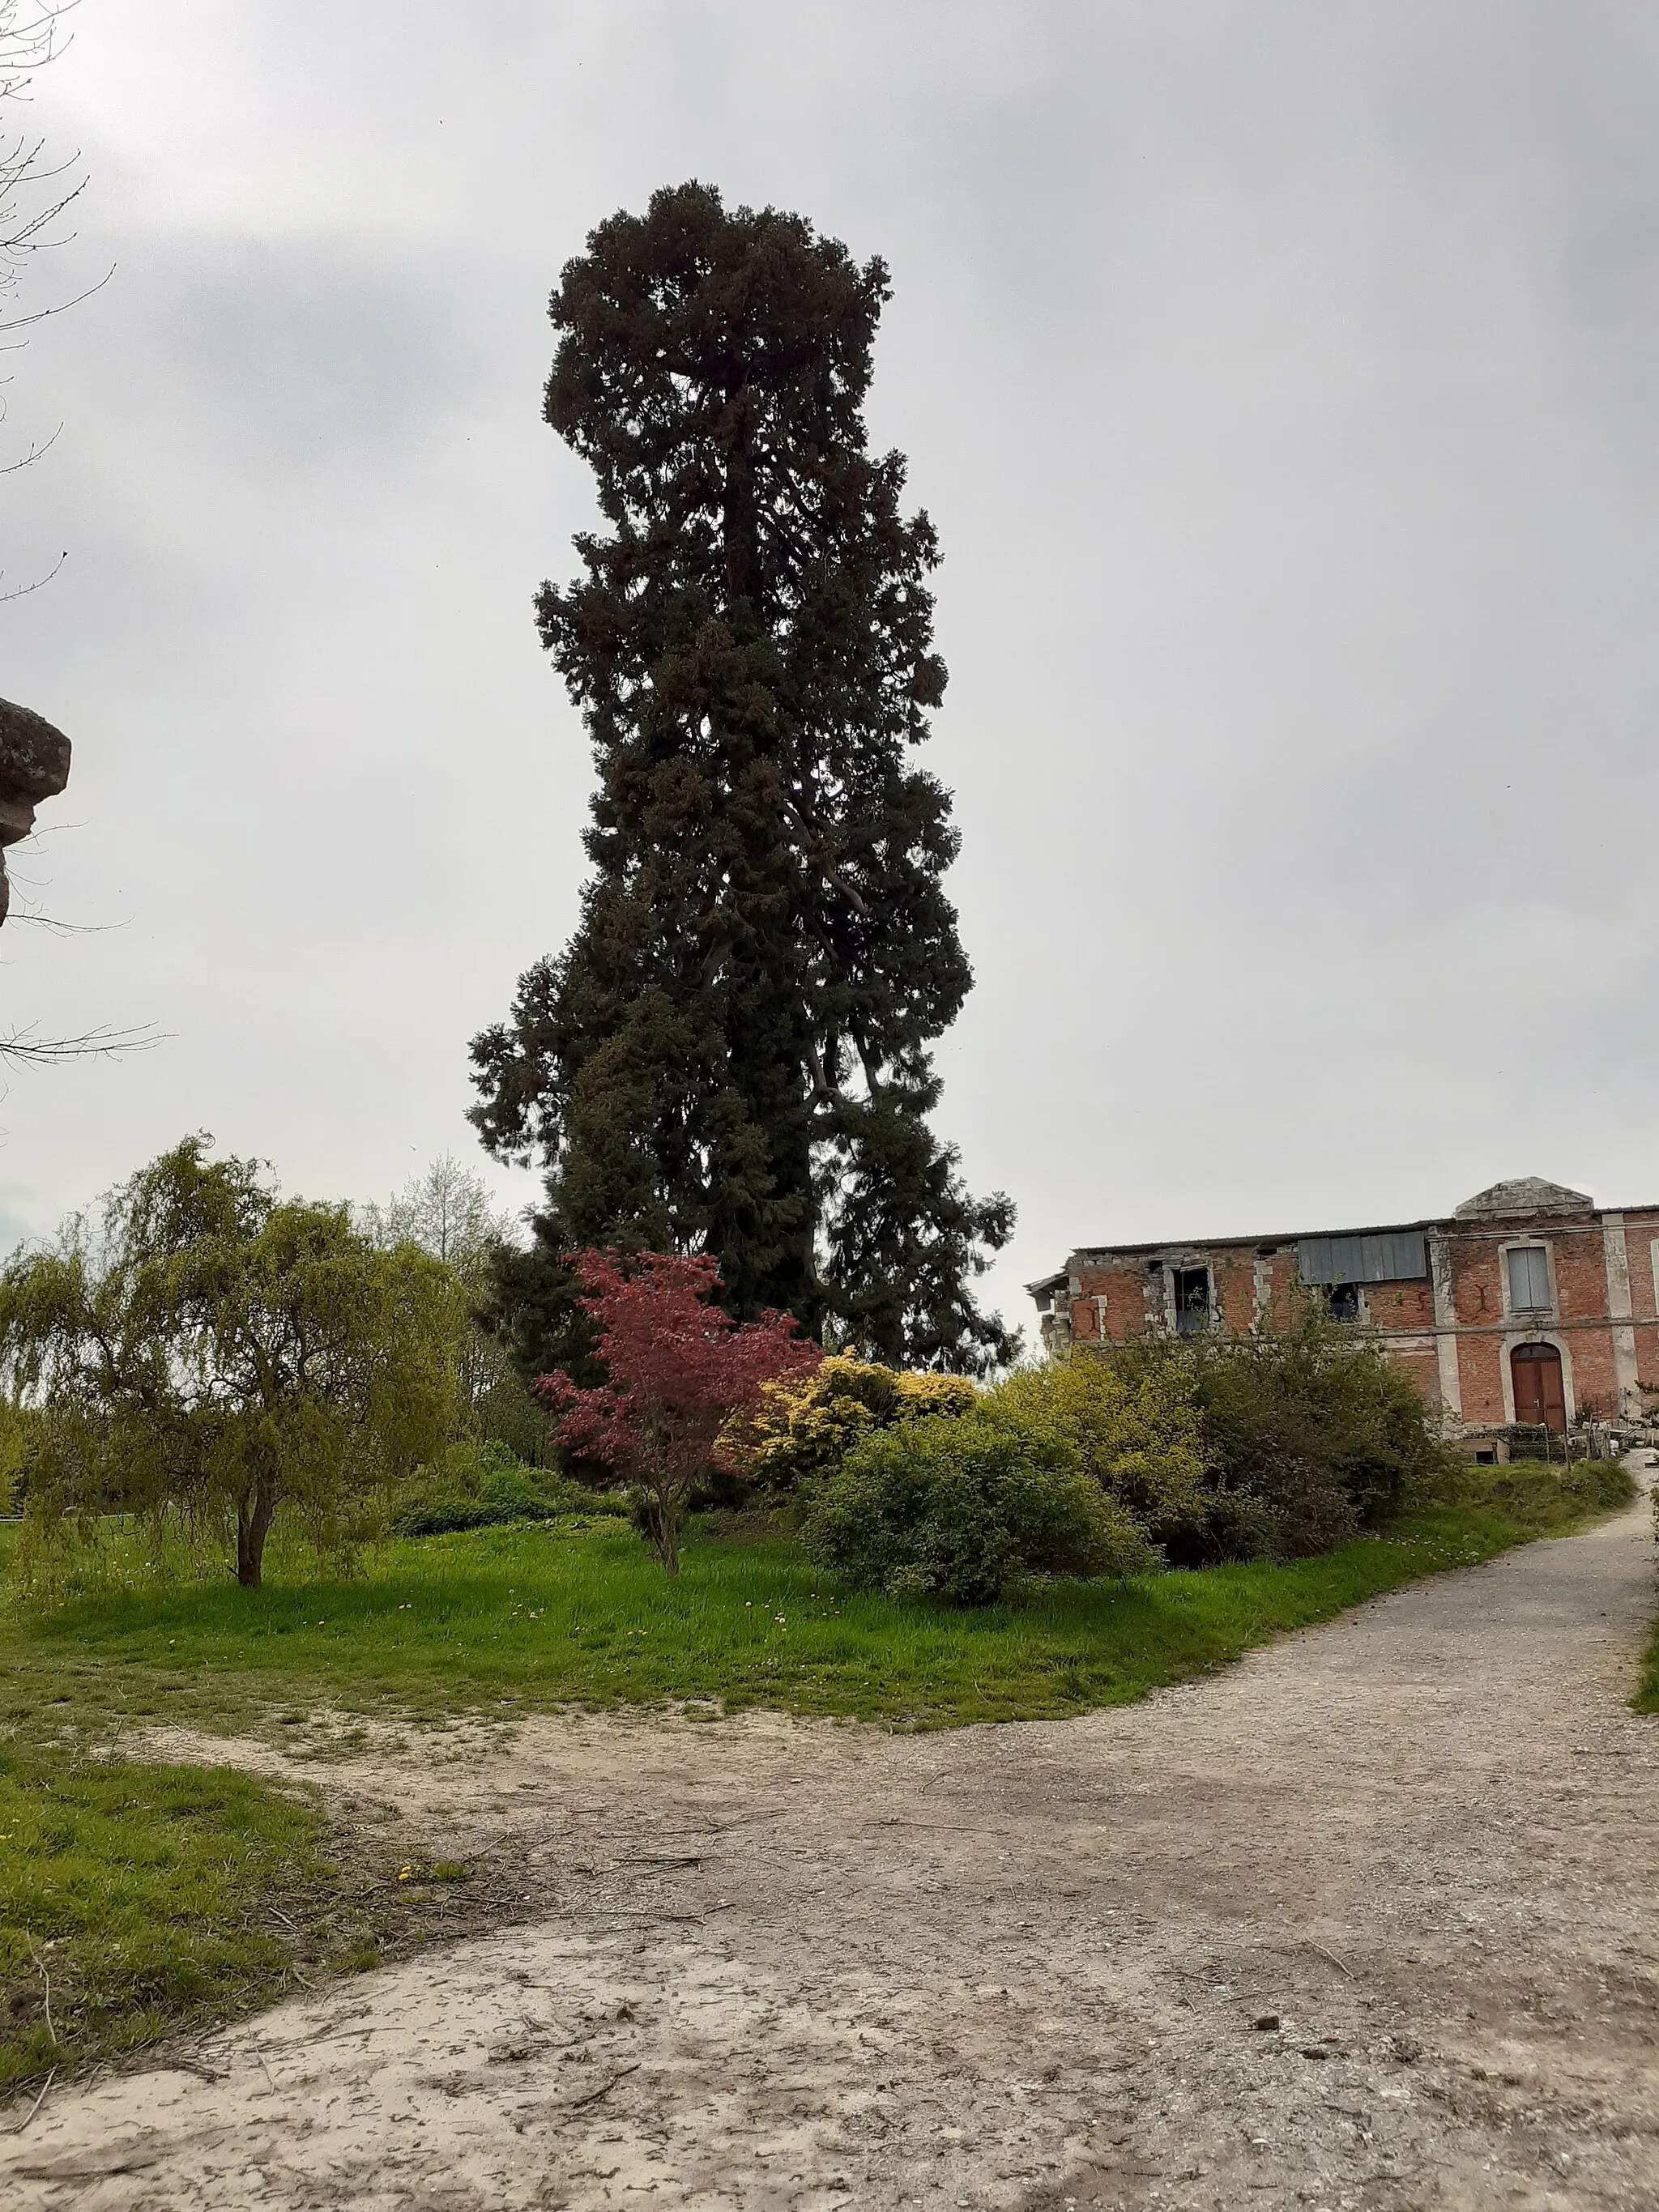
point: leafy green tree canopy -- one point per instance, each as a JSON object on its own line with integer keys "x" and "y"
{"x": 201, "y": 1349}
{"x": 732, "y": 1056}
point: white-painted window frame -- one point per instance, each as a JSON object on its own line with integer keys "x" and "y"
{"x": 1523, "y": 1314}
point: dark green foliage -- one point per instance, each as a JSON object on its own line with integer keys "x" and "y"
{"x": 732, "y": 1056}
{"x": 1313, "y": 1435}
{"x": 963, "y": 1510}
{"x": 532, "y": 1308}
{"x": 483, "y": 1485}
{"x": 507, "y": 1415}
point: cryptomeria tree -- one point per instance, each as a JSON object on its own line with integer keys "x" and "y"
{"x": 732, "y": 1056}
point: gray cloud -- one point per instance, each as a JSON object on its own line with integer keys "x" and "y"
{"x": 1281, "y": 381}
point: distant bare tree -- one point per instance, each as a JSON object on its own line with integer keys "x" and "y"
{"x": 35, "y": 190}
{"x": 448, "y": 1211}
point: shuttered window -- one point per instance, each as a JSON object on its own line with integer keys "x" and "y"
{"x": 1390, "y": 1256}
{"x": 1529, "y": 1281}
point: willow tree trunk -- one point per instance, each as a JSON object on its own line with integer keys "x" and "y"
{"x": 254, "y": 1514}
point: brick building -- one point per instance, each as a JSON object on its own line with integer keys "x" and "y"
{"x": 1528, "y": 1303}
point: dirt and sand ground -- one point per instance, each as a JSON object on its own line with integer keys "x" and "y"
{"x": 767, "y": 1964}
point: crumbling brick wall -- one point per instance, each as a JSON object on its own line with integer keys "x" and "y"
{"x": 1458, "y": 1346}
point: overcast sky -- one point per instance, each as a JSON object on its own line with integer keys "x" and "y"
{"x": 1281, "y": 378}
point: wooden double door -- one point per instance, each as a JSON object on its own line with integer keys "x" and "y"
{"x": 1540, "y": 1397}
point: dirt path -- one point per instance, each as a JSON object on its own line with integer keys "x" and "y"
{"x": 777, "y": 1964}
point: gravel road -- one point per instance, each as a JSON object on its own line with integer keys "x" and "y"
{"x": 1368, "y": 1921}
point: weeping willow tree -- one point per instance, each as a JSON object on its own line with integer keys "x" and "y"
{"x": 197, "y": 1349}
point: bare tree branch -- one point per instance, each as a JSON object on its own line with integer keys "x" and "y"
{"x": 57, "y": 927}
{"x": 24, "y": 1048}
{"x": 10, "y": 468}
{"x": 22, "y": 591}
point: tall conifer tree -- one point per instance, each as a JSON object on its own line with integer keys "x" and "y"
{"x": 732, "y": 1056}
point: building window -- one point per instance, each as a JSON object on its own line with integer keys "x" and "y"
{"x": 1529, "y": 1280}
{"x": 1345, "y": 1300}
{"x": 1191, "y": 1300}
{"x": 1382, "y": 1255}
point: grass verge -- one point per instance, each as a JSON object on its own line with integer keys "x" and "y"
{"x": 1646, "y": 1699}
{"x": 1551, "y": 1501}
{"x": 134, "y": 1899}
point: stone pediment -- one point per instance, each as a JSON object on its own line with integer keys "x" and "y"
{"x": 1526, "y": 1195}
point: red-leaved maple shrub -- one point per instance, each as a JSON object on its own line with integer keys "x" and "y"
{"x": 678, "y": 1368}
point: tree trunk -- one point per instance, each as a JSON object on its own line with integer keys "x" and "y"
{"x": 740, "y": 525}
{"x": 253, "y": 1519}
{"x": 665, "y": 1528}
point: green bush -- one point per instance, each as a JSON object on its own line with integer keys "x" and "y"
{"x": 1280, "y": 1442}
{"x": 482, "y": 1486}
{"x": 1138, "y": 1432}
{"x": 806, "y": 1427}
{"x": 1311, "y": 1433}
{"x": 964, "y": 1509}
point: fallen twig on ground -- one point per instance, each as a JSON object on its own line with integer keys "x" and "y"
{"x": 605, "y": 2087}
{"x": 47, "y": 1979}
{"x": 35, "y": 2106}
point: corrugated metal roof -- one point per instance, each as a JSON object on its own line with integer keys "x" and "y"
{"x": 1464, "y": 1229}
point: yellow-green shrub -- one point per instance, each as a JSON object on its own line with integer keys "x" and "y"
{"x": 1139, "y": 1433}
{"x": 806, "y": 1428}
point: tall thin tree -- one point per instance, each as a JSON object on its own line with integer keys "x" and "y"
{"x": 732, "y": 1056}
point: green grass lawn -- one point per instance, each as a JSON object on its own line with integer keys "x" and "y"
{"x": 133, "y": 1898}
{"x": 138, "y": 1896}
{"x": 527, "y": 1619}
